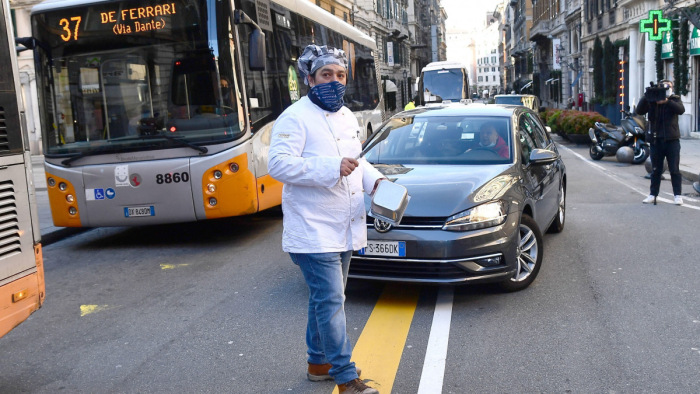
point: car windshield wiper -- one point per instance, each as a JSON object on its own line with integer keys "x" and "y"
{"x": 178, "y": 141}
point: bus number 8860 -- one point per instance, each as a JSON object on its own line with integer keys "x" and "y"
{"x": 174, "y": 177}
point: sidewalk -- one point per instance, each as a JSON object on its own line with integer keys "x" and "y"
{"x": 690, "y": 168}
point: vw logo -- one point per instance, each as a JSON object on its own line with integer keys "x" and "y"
{"x": 381, "y": 226}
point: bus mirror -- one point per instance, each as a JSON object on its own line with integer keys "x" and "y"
{"x": 256, "y": 41}
{"x": 24, "y": 43}
{"x": 256, "y": 50}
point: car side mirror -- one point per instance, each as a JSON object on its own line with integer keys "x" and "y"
{"x": 542, "y": 156}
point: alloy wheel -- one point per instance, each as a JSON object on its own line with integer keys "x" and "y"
{"x": 528, "y": 253}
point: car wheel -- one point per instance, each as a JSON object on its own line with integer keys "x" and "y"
{"x": 529, "y": 256}
{"x": 594, "y": 153}
{"x": 558, "y": 224}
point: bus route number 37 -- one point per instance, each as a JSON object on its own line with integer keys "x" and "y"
{"x": 175, "y": 177}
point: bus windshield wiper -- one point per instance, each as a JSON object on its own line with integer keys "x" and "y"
{"x": 98, "y": 151}
{"x": 181, "y": 141}
{"x": 177, "y": 140}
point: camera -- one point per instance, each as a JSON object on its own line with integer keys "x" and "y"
{"x": 655, "y": 92}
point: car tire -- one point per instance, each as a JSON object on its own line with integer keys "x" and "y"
{"x": 595, "y": 155}
{"x": 529, "y": 256}
{"x": 560, "y": 219}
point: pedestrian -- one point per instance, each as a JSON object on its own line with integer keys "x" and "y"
{"x": 411, "y": 105}
{"x": 314, "y": 151}
{"x": 665, "y": 140}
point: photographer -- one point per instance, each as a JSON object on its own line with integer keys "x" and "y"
{"x": 665, "y": 137}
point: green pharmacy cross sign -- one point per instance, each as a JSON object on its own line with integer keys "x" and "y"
{"x": 655, "y": 26}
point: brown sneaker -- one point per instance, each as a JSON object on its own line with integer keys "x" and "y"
{"x": 356, "y": 387}
{"x": 319, "y": 372}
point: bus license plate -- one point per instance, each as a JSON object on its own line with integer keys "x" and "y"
{"x": 139, "y": 211}
{"x": 384, "y": 248}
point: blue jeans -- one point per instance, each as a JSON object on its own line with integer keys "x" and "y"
{"x": 326, "y": 334}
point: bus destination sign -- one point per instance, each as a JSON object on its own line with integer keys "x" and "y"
{"x": 123, "y": 21}
{"x": 143, "y": 18}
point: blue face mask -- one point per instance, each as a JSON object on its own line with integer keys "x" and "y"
{"x": 328, "y": 96}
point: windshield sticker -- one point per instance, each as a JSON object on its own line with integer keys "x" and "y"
{"x": 293, "y": 83}
{"x": 121, "y": 176}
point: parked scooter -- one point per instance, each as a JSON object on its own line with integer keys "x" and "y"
{"x": 608, "y": 138}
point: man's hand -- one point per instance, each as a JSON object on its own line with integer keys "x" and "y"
{"x": 348, "y": 165}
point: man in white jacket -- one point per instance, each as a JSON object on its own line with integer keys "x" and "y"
{"x": 313, "y": 151}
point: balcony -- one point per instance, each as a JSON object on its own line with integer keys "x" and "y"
{"x": 539, "y": 30}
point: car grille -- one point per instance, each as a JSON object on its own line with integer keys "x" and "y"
{"x": 414, "y": 271}
{"x": 415, "y": 222}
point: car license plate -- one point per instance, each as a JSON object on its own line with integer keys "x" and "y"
{"x": 384, "y": 248}
{"x": 139, "y": 211}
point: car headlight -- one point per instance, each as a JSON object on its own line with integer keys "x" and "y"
{"x": 482, "y": 216}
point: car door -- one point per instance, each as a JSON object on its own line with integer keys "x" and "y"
{"x": 551, "y": 173}
{"x": 538, "y": 178}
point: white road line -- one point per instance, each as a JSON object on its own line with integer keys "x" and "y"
{"x": 617, "y": 179}
{"x": 434, "y": 365}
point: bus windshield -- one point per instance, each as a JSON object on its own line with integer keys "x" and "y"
{"x": 121, "y": 74}
{"x": 446, "y": 84}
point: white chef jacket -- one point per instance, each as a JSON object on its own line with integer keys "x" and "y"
{"x": 323, "y": 212}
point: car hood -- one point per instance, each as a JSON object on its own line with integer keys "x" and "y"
{"x": 443, "y": 190}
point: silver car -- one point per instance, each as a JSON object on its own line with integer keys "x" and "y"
{"x": 484, "y": 181}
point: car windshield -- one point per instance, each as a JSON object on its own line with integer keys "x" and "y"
{"x": 514, "y": 100}
{"x": 442, "y": 140}
{"x": 445, "y": 84}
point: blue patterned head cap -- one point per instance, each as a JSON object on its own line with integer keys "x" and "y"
{"x": 315, "y": 57}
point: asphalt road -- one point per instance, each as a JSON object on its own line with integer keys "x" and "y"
{"x": 218, "y": 307}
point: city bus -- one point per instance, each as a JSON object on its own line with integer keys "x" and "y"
{"x": 443, "y": 81}
{"x": 160, "y": 111}
{"x": 21, "y": 261}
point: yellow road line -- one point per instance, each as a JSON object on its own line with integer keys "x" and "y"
{"x": 380, "y": 346}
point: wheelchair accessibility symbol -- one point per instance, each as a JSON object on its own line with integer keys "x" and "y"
{"x": 99, "y": 194}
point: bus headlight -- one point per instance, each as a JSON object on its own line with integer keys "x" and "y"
{"x": 70, "y": 198}
{"x": 211, "y": 188}
{"x": 212, "y": 201}
{"x": 52, "y": 182}
{"x": 72, "y": 210}
{"x": 62, "y": 186}
{"x": 218, "y": 174}
{"x": 233, "y": 167}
